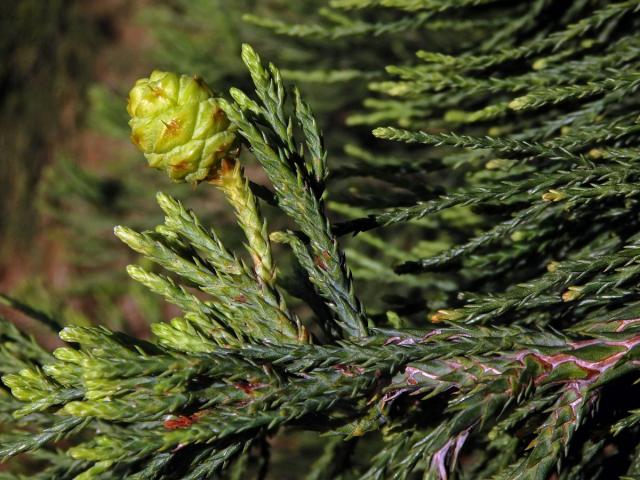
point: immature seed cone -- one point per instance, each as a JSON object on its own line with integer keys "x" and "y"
{"x": 179, "y": 126}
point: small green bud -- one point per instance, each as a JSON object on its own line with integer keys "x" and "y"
{"x": 572, "y": 293}
{"x": 446, "y": 315}
{"x": 587, "y": 43}
{"x": 553, "y": 196}
{"x": 498, "y": 164}
{"x": 518, "y": 236}
{"x": 540, "y": 64}
{"x": 596, "y": 153}
{"x": 179, "y": 126}
{"x": 520, "y": 102}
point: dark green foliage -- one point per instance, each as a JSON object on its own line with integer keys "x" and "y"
{"x": 492, "y": 231}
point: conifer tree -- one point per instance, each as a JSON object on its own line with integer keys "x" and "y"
{"x": 490, "y": 326}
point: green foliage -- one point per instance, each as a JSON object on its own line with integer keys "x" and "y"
{"x": 497, "y": 213}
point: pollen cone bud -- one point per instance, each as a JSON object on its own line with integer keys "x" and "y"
{"x": 572, "y": 293}
{"x": 446, "y": 315}
{"x": 179, "y": 126}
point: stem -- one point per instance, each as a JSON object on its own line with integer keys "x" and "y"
{"x": 233, "y": 183}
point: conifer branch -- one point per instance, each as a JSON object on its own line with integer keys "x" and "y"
{"x": 294, "y": 183}
{"x": 504, "y": 185}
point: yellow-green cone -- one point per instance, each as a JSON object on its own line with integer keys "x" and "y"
{"x": 179, "y": 126}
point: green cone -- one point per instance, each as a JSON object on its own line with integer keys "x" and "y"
{"x": 178, "y": 126}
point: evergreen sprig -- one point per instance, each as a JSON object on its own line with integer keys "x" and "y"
{"x": 506, "y": 342}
